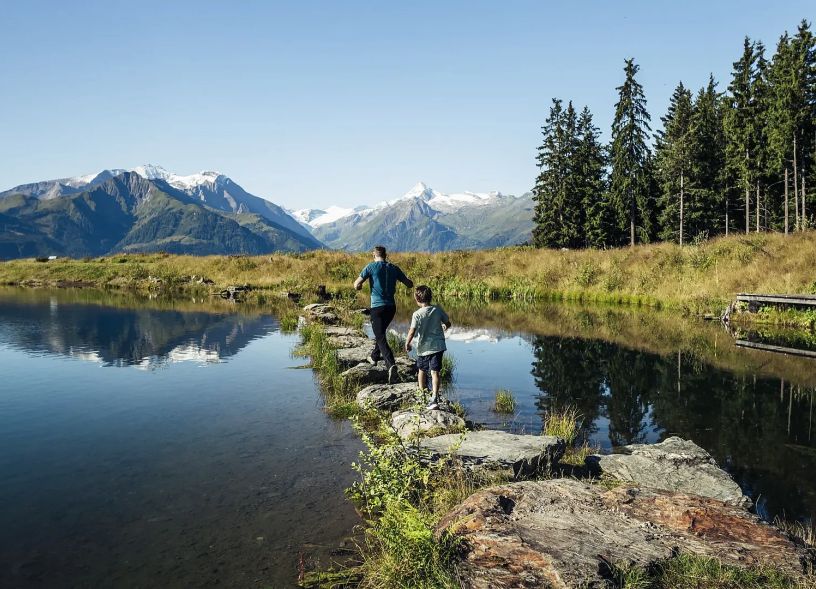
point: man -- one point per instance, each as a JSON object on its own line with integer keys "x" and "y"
{"x": 382, "y": 277}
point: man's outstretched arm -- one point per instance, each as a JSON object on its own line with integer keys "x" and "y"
{"x": 358, "y": 284}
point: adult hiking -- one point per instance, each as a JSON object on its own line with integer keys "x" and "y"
{"x": 382, "y": 277}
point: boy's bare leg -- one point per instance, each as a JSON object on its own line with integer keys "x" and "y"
{"x": 422, "y": 380}
{"x": 435, "y": 384}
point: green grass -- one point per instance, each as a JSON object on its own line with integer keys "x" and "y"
{"x": 564, "y": 424}
{"x": 695, "y": 278}
{"x": 504, "y": 403}
{"x": 687, "y": 571}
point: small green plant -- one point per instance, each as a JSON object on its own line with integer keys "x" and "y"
{"x": 448, "y": 368}
{"x": 564, "y": 424}
{"x": 396, "y": 341}
{"x": 505, "y": 403}
{"x": 289, "y": 321}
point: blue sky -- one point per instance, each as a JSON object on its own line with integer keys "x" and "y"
{"x": 321, "y": 103}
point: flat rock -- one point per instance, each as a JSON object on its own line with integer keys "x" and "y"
{"x": 322, "y": 313}
{"x": 343, "y": 342}
{"x": 493, "y": 449}
{"x": 349, "y": 357}
{"x": 564, "y": 533}
{"x": 365, "y": 374}
{"x": 341, "y": 331}
{"x": 413, "y": 423}
{"x": 672, "y": 465}
{"x": 388, "y": 397}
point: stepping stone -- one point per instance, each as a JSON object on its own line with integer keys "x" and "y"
{"x": 388, "y": 397}
{"x": 365, "y": 374}
{"x": 413, "y": 423}
{"x": 525, "y": 455}
{"x": 672, "y": 465}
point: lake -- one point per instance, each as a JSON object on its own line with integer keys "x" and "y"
{"x": 177, "y": 443}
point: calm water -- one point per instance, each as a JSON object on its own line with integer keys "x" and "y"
{"x": 175, "y": 444}
{"x": 160, "y": 447}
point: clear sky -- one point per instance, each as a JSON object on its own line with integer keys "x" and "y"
{"x": 341, "y": 102}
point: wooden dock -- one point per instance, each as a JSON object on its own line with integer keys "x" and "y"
{"x": 777, "y": 349}
{"x": 777, "y": 299}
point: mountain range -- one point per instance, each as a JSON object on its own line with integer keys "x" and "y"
{"x": 426, "y": 220}
{"x": 151, "y": 209}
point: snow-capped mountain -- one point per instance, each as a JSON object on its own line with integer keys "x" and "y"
{"x": 438, "y": 201}
{"x": 425, "y": 219}
{"x": 144, "y": 209}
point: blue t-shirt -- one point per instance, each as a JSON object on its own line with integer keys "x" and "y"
{"x": 382, "y": 278}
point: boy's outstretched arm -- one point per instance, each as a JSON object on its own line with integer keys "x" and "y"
{"x": 408, "y": 340}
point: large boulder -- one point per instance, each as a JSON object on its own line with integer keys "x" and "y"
{"x": 413, "y": 423}
{"x": 672, "y": 465}
{"x": 525, "y": 455}
{"x": 563, "y": 533}
{"x": 389, "y": 397}
{"x": 365, "y": 374}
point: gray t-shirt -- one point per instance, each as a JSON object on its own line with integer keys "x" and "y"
{"x": 430, "y": 338}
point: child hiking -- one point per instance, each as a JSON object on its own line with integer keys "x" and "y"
{"x": 428, "y": 324}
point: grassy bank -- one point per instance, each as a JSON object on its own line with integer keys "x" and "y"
{"x": 695, "y": 278}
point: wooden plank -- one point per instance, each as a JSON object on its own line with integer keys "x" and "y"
{"x": 783, "y": 299}
{"x": 777, "y": 349}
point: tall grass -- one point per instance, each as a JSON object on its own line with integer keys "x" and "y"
{"x": 695, "y": 278}
{"x": 504, "y": 402}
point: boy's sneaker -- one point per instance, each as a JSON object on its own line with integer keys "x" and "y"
{"x": 392, "y": 374}
{"x": 432, "y": 405}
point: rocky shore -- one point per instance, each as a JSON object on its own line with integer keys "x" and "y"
{"x": 637, "y": 507}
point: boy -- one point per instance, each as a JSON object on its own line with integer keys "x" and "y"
{"x": 428, "y": 324}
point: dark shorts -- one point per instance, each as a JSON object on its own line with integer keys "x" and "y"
{"x": 430, "y": 362}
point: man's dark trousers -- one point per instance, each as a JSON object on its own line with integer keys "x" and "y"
{"x": 381, "y": 318}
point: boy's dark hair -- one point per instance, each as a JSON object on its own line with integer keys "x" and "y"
{"x": 423, "y": 294}
{"x": 380, "y": 251}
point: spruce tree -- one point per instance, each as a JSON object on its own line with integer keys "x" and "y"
{"x": 630, "y": 154}
{"x": 707, "y": 151}
{"x": 590, "y": 169}
{"x": 673, "y": 161}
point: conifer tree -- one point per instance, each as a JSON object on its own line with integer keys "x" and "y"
{"x": 673, "y": 161}
{"x": 590, "y": 168}
{"x": 707, "y": 151}
{"x": 630, "y": 154}
{"x": 557, "y": 215}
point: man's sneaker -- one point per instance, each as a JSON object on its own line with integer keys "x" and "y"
{"x": 392, "y": 374}
{"x": 371, "y": 360}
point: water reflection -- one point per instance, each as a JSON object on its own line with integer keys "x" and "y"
{"x": 115, "y": 336}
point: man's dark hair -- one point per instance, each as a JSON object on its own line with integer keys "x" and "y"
{"x": 423, "y": 294}
{"x": 380, "y": 251}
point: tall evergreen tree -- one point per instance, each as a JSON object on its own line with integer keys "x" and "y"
{"x": 673, "y": 162}
{"x": 741, "y": 130}
{"x": 629, "y": 153}
{"x": 590, "y": 168}
{"x": 557, "y": 215}
{"x": 707, "y": 151}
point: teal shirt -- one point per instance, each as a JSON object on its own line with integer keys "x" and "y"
{"x": 382, "y": 278}
{"x": 427, "y": 323}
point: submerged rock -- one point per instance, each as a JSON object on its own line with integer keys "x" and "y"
{"x": 492, "y": 449}
{"x": 389, "y": 397}
{"x": 339, "y": 331}
{"x": 563, "y": 533}
{"x": 672, "y": 465}
{"x": 365, "y": 374}
{"x": 412, "y": 423}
